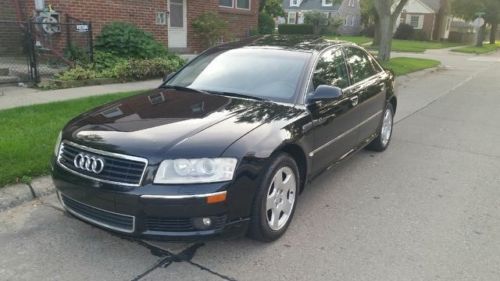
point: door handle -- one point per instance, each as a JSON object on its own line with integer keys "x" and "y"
{"x": 354, "y": 100}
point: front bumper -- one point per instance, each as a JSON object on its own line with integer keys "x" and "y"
{"x": 155, "y": 211}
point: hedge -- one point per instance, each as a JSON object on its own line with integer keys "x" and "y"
{"x": 295, "y": 29}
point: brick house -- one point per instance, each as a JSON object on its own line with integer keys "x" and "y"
{"x": 168, "y": 20}
{"x": 348, "y": 11}
{"x": 428, "y": 16}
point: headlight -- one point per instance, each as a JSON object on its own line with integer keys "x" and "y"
{"x": 58, "y": 144}
{"x": 202, "y": 170}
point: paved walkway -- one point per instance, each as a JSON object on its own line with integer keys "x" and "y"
{"x": 11, "y": 97}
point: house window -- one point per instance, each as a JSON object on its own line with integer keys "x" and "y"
{"x": 417, "y": 22}
{"x": 295, "y": 3}
{"x": 352, "y": 3}
{"x": 226, "y": 3}
{"x": 243, "y": 4}
{"x": 327, "y": 3}
{"x": 292, "y": 17}
{"x": 161, "y": 18}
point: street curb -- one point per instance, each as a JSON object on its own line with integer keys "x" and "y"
{"x": 17, "y": 194}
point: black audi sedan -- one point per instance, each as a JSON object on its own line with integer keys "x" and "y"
{"x": 227, "y": 143}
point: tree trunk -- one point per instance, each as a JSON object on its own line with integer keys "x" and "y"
{"x": 480, "y": 36}
{"x": 493, "y": 32}
{"x": 376, "y": 35}
{"x": 385, "y": 44}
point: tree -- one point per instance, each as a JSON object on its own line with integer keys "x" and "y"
{"x": 386, "y": 19}
{"x": 273, "y": 8}
{"x": 469, "y": 10}
{"x": 210, "y": 27}
{"x": 321, "y": 23}
{"x": 368, "y": 12}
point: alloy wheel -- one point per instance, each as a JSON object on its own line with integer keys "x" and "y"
{"x": 280, "y": 198}
{"x": 386, "y": 127}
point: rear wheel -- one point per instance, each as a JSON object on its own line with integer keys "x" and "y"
{"x": 385, "y": 132}
{"x": 276, "y": 199}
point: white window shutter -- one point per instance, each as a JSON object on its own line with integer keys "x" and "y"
{"x": 421, "y": 22}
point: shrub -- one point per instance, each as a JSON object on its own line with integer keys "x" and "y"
{"x": 317, "y": 19}
{"x": 105, "y": 61}
{"x": 76, "y": 54}
{"x": 369, "y": 31}
{"x": 210, "y": 27}
{"x": 77, "y": 73}
{"x": 420, "y": 35}
{"x": 127, "y": 41}
{"x": 332, "y": 26}
{"x": 144, "y": 69}
{"x": 295, "y": 29}
{"x": 266, "y": 23}
{"x": 404, "y": 32}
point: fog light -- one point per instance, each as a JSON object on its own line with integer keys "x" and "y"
{"x": 202, "y": 223}
{"x": 207, "y": 221}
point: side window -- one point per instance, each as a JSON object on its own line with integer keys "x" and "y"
{"x": 360, "y": 64}
{"x": 331, "y": 70}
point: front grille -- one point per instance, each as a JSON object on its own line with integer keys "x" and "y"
{"x": 118, "y": 169}
{"x": 180, "y": 224}
{"x": 98, "y": 216}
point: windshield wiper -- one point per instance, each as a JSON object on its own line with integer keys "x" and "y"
{"x": 182, "y": 88}
{"x": 237, "y": 95}
{"x": 220, "y": 93}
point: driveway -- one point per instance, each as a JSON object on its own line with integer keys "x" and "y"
{"x": 426, "y": 209}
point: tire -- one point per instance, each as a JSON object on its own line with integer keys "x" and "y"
{"x": 384, "y": 132}
{"x": 270, "y": 221}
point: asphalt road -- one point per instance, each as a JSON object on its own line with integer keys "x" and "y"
{"x": 426, "y": 209}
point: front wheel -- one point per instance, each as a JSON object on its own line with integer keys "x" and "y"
{"x": 385, "y": 132}
{"x": 275, "y": 200}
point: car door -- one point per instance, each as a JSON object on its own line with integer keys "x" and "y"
{"x": 368, "y": 86}
{"x": 334, "y": 121}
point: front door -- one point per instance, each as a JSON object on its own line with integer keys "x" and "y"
{"x": 177, "y": 29}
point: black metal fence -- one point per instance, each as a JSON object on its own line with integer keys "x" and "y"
{"x": 38, "y": 49}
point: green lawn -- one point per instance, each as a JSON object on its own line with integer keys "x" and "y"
{"x": 412, "y": 46}
{"x": 360, "y": 40}
{"x": 28, "y": 134}
{"x": 486, "y": 48}
{"x": 402, "y": 65}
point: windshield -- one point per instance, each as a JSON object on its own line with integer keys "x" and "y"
{"x": 261, "y": 73}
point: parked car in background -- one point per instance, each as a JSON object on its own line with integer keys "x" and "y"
{"x": 226, "y": 144}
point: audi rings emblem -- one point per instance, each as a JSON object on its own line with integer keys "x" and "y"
{"x": 89, "y": 163}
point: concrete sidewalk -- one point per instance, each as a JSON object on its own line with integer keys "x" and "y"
{"x": 11, "y": 97}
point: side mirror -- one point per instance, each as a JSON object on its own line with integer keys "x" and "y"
{"x": 168, "y": 76}
{"x": 325, "y": 93}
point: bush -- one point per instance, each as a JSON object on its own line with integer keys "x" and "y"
{"x": 404, "y": 32}
{"x": 105, "y": 61}
{"x": 211, "y": 28}
{"x": 76, "y": 54}
{"x": 332, "y": 27}
{"x": 317, "y": 19}
{"x": 420, "y": 35}
{"x": 77, "y": 73}
{"x": 266, "y": 23}
{"x": 144, "y": 69}
{"x": 369, "y": 31}
{"x": 127, "y": 41}
{"x": 295, "y": 29}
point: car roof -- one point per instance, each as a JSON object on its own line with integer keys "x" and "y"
{"x": 301, "y": 43}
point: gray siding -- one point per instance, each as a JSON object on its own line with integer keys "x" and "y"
{"x": 343, "y": 11}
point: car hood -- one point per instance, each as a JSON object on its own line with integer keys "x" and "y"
{"x": 172, "y": 123}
